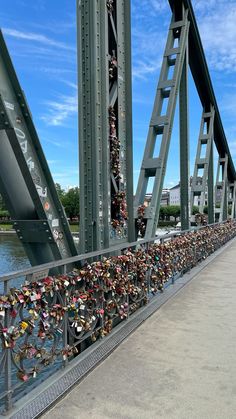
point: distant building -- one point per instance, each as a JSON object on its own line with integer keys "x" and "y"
{"x": 197, "y": 197}
{"x": 165, "y": 198}
{"x": 174, "y": 194}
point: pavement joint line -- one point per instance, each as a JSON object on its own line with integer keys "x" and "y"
{"x": 47, "y": 394}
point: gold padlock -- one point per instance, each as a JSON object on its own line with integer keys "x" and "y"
{"x": 24, "y": 325}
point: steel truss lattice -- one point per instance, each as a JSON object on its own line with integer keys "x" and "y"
{"x": 25, "y": 180}
{"x": 105, "y": 124}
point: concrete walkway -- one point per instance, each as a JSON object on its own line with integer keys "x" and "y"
{"x": 180, "y": 364}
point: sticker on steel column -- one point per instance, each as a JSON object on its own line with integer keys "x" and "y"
{"x": 58, "y": 235}
{"x": 30, "y": 163}
{"x": 36, "y": 177}
{"x": 46, "y": 206}
{"x": 55, "y": 234}
{"x": 9, "y": 105}
{"x": 18, "y": 120}
{"x": 42, "y": 191}
{"x": 24, "y": 147}
{"x": 20, "y": 134}
{"x": 55, "y": 222}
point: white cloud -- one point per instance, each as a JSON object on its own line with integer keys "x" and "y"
{"x": 150, "y": 7}
{"x": 228, "y": 106}
{"x": 37, "y": 37}
{"x": 203, "y": 5}
{"x": 62, "y": 109}
{"x": 59, "y": 144}
{"x": 158, "y": 5}
{"x": 218, "y": 33}
{"x": 148, "y": 48}
{"x": 53, "y": 161}
{"x": 141, "y": 70}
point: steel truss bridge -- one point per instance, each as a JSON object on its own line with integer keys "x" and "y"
{"x": 108, "y": 213}
{"x": 110, "y": 218}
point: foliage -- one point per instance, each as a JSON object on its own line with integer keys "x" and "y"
{"x": 162, "y": 214}
{"x": 61, "y": 192}
{"x": 70, "y": 201}
{"x": 4, "y": 215}
{"x": 195, "y": 210}
{"x": 5, "y": 226}
{"x": 166, "y": 223}
{"x": 172, "y": 211}
{"x": 169, "y": 211}
{"x": 2, "y": 204}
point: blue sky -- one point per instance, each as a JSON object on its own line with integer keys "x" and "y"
{"x": 41, "y": 37}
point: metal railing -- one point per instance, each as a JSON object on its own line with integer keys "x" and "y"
{"x": 49, "y": 319}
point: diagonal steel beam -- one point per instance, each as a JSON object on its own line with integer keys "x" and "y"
{"x": 160, "y": 129}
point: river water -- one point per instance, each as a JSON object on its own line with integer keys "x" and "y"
{"x": 12, "y": 254}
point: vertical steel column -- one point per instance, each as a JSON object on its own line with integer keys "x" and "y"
{"x": 203, "y": 169}
{"x": 105, "y": 124}
{"x": 121, "y": 171}
{"x": 128, "y": 120}
{"x": 210, "y": 187}
{"x": 232, "y": 199}
{"x": 92, "y": 68}
{"x": 184, "y": 144}
{"x": 221, "y": 188}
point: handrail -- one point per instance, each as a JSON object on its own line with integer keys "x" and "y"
{"x": 86, "y": 256}
{"x": 48, "y": 318}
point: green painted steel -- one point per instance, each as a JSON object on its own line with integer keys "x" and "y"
{"x": 25, "y": 180}
{"x": 232, "y": 199}
{"x": 210, "y": 188}
{"x": 107, "y": 210}
{"x": 105, "y": 123}
{"x": 202, "y": 79}
{"x": 154, "y": 163}
{"x": 184, "y": 145}
{"x": 93, "y": 127}
{"x": 203, "y": 171}
{"x": 221, "y": 190}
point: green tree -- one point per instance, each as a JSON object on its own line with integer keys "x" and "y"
{"x": 70, "y": 202}
{"x": 162, "y": 213}
{"x": 61, "y": 192}
{"x": 195, "y": 210}
{"x": 173, "y": 211}
{"x": 2, "y": 204}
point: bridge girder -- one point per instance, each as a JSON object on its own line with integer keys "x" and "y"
{"x": 202, "y": 79}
